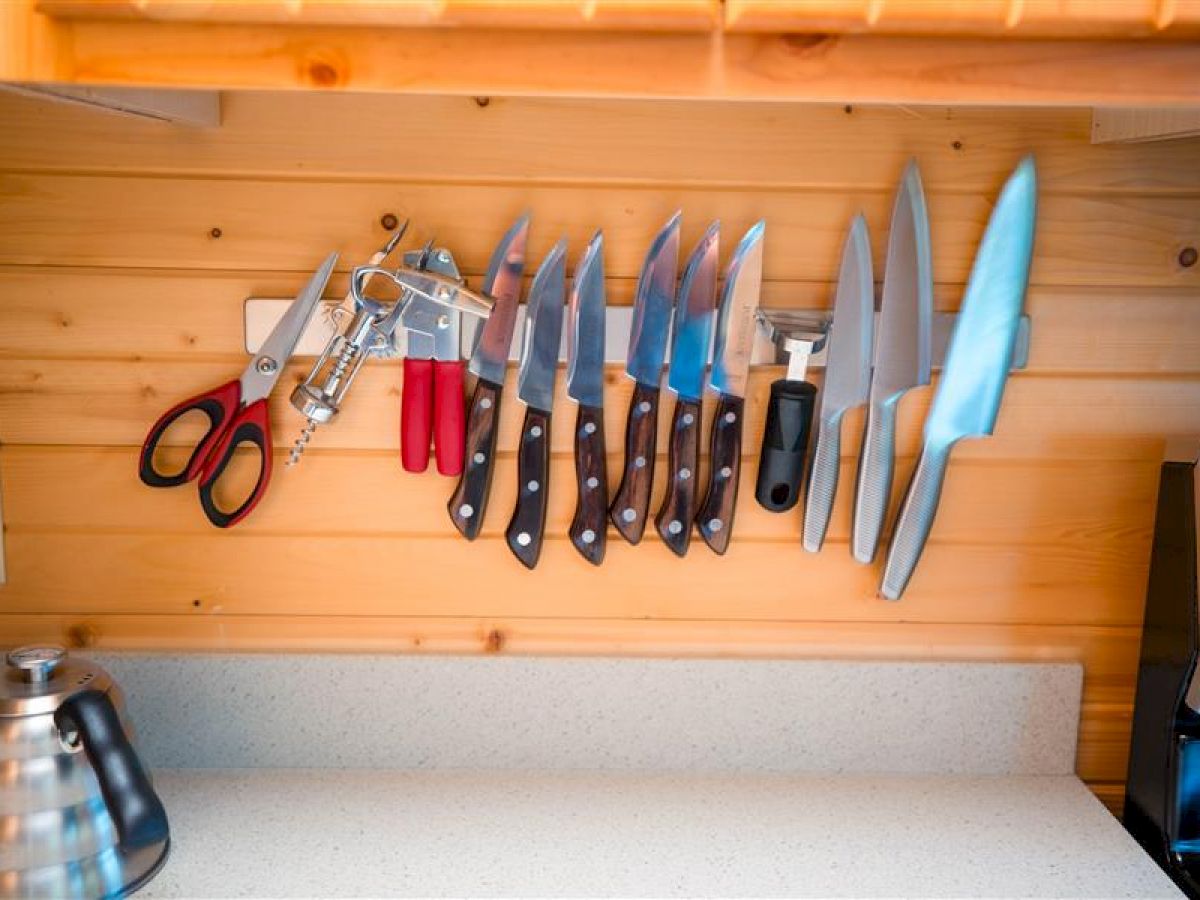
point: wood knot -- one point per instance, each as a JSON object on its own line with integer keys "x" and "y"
{"x": 81, "y": 635}
{"x": 321, "y": 70}
{"x": 808, "y": 44}
{"x": 494, "y": 642}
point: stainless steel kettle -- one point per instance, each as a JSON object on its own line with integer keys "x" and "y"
{"x": 78, "y": 815}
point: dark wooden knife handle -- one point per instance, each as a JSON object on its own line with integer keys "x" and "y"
{"x": 528, "y": 522}
{"x": 632, "y": 502}
{"x": 469, "y": 500}
{"x": 715, "y": 519}
{"x": 674, "y": 519}
{"x": 590, "y": 526}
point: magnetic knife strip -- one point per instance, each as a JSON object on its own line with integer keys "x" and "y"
{"x": 261, "y": 314}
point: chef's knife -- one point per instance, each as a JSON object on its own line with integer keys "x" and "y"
{"x": 901, "y": 357}
{"x": 691, "y": 334}
{"x": 847, "y": 377}
{"x": 585, "y": 385}
{"x": 730, "y": 372}
{"x": 489, "y": 362}
{"x": 535, "y": 387}
{"x": 977, "y": 364}
{"x": 647, "y": 349}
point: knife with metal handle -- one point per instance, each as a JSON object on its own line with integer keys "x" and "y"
{"x": 489, "y": 362}
{"x": 978, "y": 360}
{"x": 730, "y": 371}
{"x": 847, "y": 377}
{"x": 647, "y": 349}
{"x": 535, "y": 387}
{"x": 585, "y": 385}
{"x": 902, "y": 358}
{"x": 691, "y": 334}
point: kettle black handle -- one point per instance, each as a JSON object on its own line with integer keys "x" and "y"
{"x": 135, "y": 809}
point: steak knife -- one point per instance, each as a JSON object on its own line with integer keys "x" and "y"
{"x": 489, "y": 362}
{"x": 585, "y": 385}
{"x": 691, "y": 334}
{"x": 977, "y": 364}
{"x": 847, "y": 377}
{"x": 730, "y": 372}
{"x": 901, "y": 358}
{"x": 535, "y": 387}
{"x": 647, "y": 349}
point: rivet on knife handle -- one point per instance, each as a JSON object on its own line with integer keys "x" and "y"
{"x": 715, "y": 518}
{"x": 822, "y": 485}
{"x": 528, "y": 522}
{"x": 590, "y": 525}
{"x": 674, "y": 519}
{"x": 914, "y": 521}
{"x": 470, "y": 498}
{"x": 632, "y": 502}
{"x": 874, "y": 488}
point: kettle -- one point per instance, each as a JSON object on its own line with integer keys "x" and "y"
{"x": 78, "y": 815}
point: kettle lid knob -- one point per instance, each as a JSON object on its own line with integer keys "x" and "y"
{"x": 36, "y": 662}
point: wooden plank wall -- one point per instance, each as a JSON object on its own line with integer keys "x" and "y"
{"x": 128, "y": 247}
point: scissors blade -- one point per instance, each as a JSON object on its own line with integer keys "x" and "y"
{"x": 267, "y": 365}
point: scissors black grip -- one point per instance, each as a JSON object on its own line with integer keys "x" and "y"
{"x": 219, "y": 405}
{"x": 251, "y": 425}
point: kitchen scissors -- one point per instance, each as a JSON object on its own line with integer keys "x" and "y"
{"x": 237, "y": 413}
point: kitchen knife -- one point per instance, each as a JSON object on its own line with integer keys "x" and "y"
{"x": 585, "y": 385}
{"x": 691, "y": 332}
{"x": 977, "y": 364}
{"x": 730, "y": 371}
{"x": 647, "y": 348}
{"x": 489, "y": 362}
{"x": 901, "y": 358}
{"x": 847, "y": 377}
{"x": 535, "y": 387}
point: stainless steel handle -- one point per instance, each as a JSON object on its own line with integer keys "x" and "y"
{"x": 874, "y": 487}
{"x": 827, "y": 460}
{"x": 914, "y": 521}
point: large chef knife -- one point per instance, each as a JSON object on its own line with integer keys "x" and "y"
{"x": 585, "y": 385}
{"x": 977, "y": 364}
{"x": 730, "y": 372}
{"x": 647, "y": 348}
{"x": 489, "y": 362}
{"x": 901, "y": 357}
{"x": 535, "y": 387}
{"x": 847, "y": 377}
{"x": 691, "y": 333}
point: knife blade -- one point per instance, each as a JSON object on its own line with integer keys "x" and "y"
{"x": 647, "y": 348}
{"x": 691, "y": 334}
{"x": 730, "y": 371}
{"x": 535, "y": 386}
{"x": 847, "y": 377}
{"x": 902, "y": 357}
{"x": 489, "y": 362}
{"x": 978, "y": 360}
{"x": 585, "y": 385}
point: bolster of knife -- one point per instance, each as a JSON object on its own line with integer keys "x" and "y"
{"x": 590, "y": 524}
{"x": 528, "y": 523}
{"x": 470, "y": 498}
{"x": 715, "y": 518}
{"x": 874, "y": 487}
{"x": 914, "y": 521}
{"x": 632, "y": 503}
{"x": 822, "y": 484}
{"x": 674, "y": 519}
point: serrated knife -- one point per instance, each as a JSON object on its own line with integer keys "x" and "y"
{"x": 691, "y": 334}
{"x": 585, "y": 385}
{"x": 489, "y": 363}
{"x": 847, "y": 377}
{"x": 978, "y": 360}
{"x": 730, "y": 371}
{"x": 902, "y": 357}
{"x": 535, "y": 386}
{"x": 652, "y": 306}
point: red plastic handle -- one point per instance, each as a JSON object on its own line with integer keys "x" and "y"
{"x": 220, "y": 405}
{"x": 251, "y": 425}
{"x": 416, "y": 414}
{"x": 449, "y": 424}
